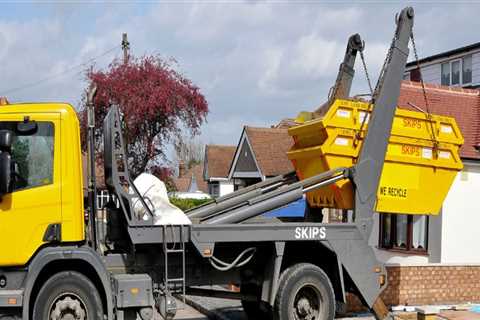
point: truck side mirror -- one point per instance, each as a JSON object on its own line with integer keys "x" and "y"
{"x": 6, "y": 137}
{"x": 5, "y": 173}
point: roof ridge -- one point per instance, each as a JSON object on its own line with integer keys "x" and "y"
{"x": 441, "y": 88}
{"x": 265, "y": 128}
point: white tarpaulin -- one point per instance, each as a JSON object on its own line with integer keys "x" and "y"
{"x": 154, "y": 193}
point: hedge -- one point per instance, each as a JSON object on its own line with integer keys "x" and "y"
{"x": 186, "y": 204}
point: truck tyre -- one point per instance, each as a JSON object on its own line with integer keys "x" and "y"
{"x": 255, "y": 309}
{"x": 68, "y": 295}
{"x": 304, "y": 292}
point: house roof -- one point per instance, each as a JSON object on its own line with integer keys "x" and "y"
{"x": 218, "y": 159}
{"x": 462, "y": 104}
{"x": 182, "y": 184}
{"x": 445, "y": 54}
{"x": 270, "y": 146}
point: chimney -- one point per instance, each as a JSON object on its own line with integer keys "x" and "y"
{"x": 181, "y": 169}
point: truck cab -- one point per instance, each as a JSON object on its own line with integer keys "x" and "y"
{"x": 43, "y": 202}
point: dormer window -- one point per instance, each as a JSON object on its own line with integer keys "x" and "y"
{"x": 457, "y": 72}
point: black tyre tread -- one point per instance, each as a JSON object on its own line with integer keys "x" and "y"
{"x": 293, "y": 271}
{"x": 69, "y": 277}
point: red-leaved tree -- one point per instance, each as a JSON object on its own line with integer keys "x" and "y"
{"x": 156, "y": 102}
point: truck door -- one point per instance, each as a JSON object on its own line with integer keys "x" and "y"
{"x": 35, "y": 200}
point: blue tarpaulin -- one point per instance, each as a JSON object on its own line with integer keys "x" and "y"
{"x": 294, "y": 209}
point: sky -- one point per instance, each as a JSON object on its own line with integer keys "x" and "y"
{"x": 256, "y": 62}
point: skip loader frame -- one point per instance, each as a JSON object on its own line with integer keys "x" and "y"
{"x": 291, "y": 270}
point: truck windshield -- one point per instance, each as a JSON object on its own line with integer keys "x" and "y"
{"x": 32, "y": 155}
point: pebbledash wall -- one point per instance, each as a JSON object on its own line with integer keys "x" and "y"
{"x": 450, "y": 272}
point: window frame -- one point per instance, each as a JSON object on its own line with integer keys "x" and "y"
{"x": 460, "y": 75}
{"x": 393, "y": 232}
{"x": 54, "y": 134}
{"x": 471, "y": 68}
{"x": 214, "y": 189}
{"x": 450, "y": 73}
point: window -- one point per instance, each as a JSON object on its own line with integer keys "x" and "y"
{"x": 415, "y": 75}
{"x": 214, "y": 189}
{"x": 467, "y": 69}
{"x": 455, "y": 67}
{"x": 32, "y": 155}
{"x": 457, "y": 72}
{"x": 404, "y": 232}
{"x": 446, "y": 73}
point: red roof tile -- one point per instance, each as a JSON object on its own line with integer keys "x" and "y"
{"x": 183, "y": 183}
{"x": 218, "y": 159}
{"x": 270, "y": 146}
{"x": 461, "y": 104}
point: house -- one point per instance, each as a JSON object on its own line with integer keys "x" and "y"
{"x": 434, "y": 259}
{"x": 423, "y": 255}
{"x": 261, "y": 153}
{"x": 190, "y": 183}
{"x": 217, "y": 162}
{"x": 457, "y": 67}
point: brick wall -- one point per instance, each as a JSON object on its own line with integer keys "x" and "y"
{"x": 422, "y": 285}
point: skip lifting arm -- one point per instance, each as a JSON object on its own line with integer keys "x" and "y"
{"x": 346, "y": 72}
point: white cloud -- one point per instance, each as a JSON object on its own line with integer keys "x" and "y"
{"x": 256, "y": 62}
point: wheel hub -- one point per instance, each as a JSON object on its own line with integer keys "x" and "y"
{"x": 66, "y": 308}
{"x": 303, "y": 307}
{"x": 307, "y": 304}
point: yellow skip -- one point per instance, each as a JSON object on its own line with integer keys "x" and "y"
{"x": 420, "y": 166}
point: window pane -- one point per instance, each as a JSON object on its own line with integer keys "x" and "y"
{"x": 446, "y": 74}
{"x": 467, "y": 69}
{"x": 401, "y": 231}
{"x": 455, "y": 72}
{"x": 386, "y": 237}
{"x": 419, "y": 237}
{"x": 32, "y": 156}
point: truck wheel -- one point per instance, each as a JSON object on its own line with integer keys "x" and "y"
{"x": 68, "y": 295}
{"x": 304, "y": 293}
{"x": 255, "y": 309}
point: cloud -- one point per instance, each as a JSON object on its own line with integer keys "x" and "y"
{"x": 256, "y": 62}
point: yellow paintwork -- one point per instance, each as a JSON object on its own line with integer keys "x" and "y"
{"x": 25, "y": 214}
{"x": 415, "y": 179}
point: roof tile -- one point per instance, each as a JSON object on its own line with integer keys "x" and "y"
{"x": 459, "y": 103}
{"x": 218, "y": 159}
{"x": 270, "y": 146}
{"x": 183, "y": 183}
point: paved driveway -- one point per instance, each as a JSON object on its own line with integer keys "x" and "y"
{"x": 224, "y": 309}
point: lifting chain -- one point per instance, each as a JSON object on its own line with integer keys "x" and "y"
{"x": 429, "y": 115}
{"x": 373, "y": 93}
{"x": 365, "y": 70}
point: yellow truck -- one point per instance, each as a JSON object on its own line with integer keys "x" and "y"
{"x": 52, "y": 266}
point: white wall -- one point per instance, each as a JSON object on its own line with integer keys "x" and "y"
{"x": 453, "y": 235}
{"x": 461, "y": 218}
{"x": 476, "y": 67}
{"x": 432, "y": 73}
{"x": 226, "y": 187}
